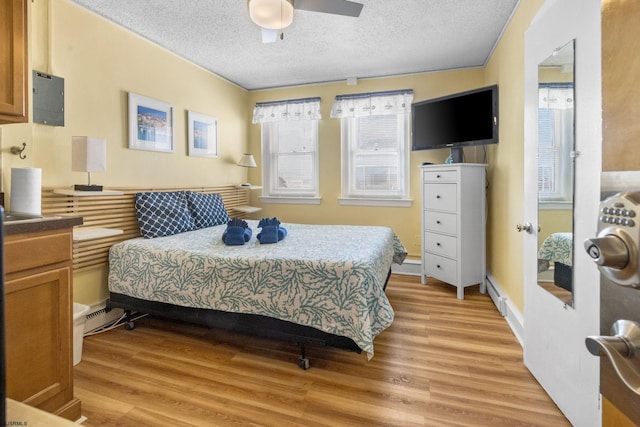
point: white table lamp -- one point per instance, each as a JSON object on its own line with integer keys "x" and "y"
{"x": 247, "y": 161}
{"x": 88, "y": 154}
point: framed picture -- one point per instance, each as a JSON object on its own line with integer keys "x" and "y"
{"x": 203, "y": 135}
{"x": 150, "y": 124}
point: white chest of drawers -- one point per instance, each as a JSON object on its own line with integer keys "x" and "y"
{"x": 453, "y": 225}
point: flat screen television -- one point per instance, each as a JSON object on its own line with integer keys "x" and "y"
{"x": 456, "y": 121}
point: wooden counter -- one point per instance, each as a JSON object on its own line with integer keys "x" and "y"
{"x": 45, "y": 223}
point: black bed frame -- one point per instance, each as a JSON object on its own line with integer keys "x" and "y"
{"x": 252, "y": 324}
{"x": 562, "y": 276}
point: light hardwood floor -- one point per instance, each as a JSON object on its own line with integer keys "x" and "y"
{"x": 443, "y": 362}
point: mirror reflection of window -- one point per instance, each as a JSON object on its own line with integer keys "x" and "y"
{"x": 556, "y": 146}
{"x": 555, "y": 142}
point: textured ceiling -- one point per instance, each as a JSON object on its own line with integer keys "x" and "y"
{"x": 391, "y": 37}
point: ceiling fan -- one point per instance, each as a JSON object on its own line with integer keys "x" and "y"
{"x": 275, "y": 15}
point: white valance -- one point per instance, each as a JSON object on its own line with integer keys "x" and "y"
{"x": 374, "y": 103}
{"x": 560, "y": 98}
{"x": 292, "y": 109}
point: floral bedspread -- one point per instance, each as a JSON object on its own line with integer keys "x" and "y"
{"x": 558, "y": 247}
{"x": 329, "y": 277}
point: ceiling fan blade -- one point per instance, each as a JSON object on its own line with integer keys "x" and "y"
{"x": 269, "y": 36}
{"x": 336, "y": 7}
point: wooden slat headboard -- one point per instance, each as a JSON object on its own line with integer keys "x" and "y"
{"x": 117, "y": 212}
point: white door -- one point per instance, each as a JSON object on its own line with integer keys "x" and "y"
{"x": 554, "y": 349}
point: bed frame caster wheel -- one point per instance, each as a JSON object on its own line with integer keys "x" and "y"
{"x": 128, "y": 321}
{"x": 303, "y": 363}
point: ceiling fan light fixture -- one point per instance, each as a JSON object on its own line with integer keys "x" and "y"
{"x": 271, "y": 14}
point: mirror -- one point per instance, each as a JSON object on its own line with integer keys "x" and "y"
{"x": 556, "y": 145}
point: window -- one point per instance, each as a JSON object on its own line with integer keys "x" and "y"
{"x": 555, "y": 143}
{"x": 375, "y": 147}
{"x": 289, "y": 158}
{"x": 374, "y": 156}
{"x": 289, "y": 150}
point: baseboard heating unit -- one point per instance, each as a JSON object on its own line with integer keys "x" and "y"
{"x": 507, "y": 308}
{"x": 98, "y": 316}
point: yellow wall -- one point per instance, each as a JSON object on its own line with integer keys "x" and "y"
{"x": 505, "y": 172}
{"x": 101, "y": 63}
{"x": 404, "y": 221}
{"x": 506, "y": 160}
{"x": 554, "y": 221}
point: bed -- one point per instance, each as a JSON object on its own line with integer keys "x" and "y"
{"x": 321, "y": 285}
{"x": 557, "y": 248}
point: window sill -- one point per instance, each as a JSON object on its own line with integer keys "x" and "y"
{"x": 398, "y": 203}
{"x": 555, "y": 206}
{"x": 290, "y": 200}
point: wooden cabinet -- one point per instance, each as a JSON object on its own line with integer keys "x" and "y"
{"x": 453, "y": 225}
{"x": 13, "y": 61}
{"x": 38, "y": 320}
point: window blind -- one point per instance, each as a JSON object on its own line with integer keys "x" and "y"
{"x": 555, "y": 141}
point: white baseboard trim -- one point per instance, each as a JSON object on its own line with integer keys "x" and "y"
{"x": 410, "y": 267}
{"x": 506, "y": 307}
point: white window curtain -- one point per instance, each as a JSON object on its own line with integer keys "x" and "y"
{"x": 292, "y": 109}
{"x": 375, "y": 146}
{"x": 374, "y": 103}
{"x": 556, "y": 97}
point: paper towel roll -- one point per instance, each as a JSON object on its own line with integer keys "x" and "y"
{"x": 26, "y": 186}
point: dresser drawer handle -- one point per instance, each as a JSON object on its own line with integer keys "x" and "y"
{"x": 438, "y": 266}
{"x": 438, "y": 244}
{"x": 438, "y": 196}
{"x": 438, "y": 176}
{"x": 438, "y": 222}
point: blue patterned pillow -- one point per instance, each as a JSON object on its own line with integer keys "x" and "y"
{"x": 207, "y": 210}
{"x": 163, "y": 213}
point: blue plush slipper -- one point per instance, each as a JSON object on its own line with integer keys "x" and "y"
{"x": 271, "y": 231}
{"x": 237, "y": 232}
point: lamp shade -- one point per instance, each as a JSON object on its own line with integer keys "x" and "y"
{"x": 247, "y": 161}
{"x": 271, "y": 14}
{"x": 88, "y": 154}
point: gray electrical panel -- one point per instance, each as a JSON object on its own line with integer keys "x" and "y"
{"x": 48, "y": 99}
